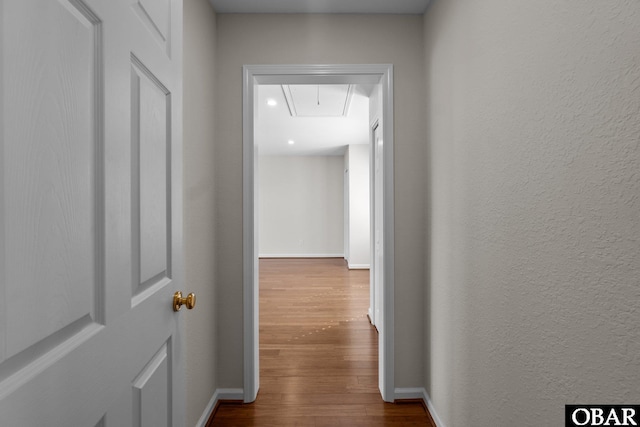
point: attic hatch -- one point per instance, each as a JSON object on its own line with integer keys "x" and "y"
{"x": 318, "y": 100}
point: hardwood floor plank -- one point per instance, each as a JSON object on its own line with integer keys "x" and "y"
{"x": 318, "y": 352}
{"x": 331, "y": 399}
{"x": 288, "y": 411}
{"x": 369, "y": 422}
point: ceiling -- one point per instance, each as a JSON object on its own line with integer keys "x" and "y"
{"x": 320, "y": 6}
{"x": 324, "y": 129}
{"x": 318, "y": 100}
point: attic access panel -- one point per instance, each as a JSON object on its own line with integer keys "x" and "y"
{"x": 318, "y": 100}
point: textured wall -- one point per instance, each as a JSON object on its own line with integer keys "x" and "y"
{"x": 301, "y": 209}
{"x": 329, "y": 39}
{"x": 199, "y": 206}
{"x": 533, "y": 121}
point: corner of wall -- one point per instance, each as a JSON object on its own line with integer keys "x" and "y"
{"x": 427, "y": 208}
{"x": 221, "y": 394}
{"x": 420, "y": 393}
{"x": 199, "y": 20}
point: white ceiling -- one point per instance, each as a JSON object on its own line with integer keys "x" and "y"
{"x": 319, "y": 135}
{"x": 320, "y": 6}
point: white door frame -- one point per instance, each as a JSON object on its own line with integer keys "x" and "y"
{"x": 313, "y": 74}
{"x": 373, "y": 273}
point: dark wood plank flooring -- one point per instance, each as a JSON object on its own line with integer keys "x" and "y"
{"x": 318, "y": 352}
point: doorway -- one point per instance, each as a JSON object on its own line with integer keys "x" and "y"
{"x": 316, "y": 75}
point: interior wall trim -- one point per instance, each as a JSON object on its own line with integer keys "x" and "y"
{"x": 358, "y": 266}
{"x": 236, "y": 394}
{"x": 315, "y": 74}
{"x": 411, "y": 393}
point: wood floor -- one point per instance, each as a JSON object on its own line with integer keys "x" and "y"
{"x": 318, "y": 352}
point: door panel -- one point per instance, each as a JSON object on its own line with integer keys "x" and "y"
{"x": 48, "y": 179}
{"x": 90, "y": 191}
{"x": 156, "y": 16}
{"x": 151, "y": 402}
{"x": 151, "y": 200}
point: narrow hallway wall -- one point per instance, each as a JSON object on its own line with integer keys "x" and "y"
{"x": 533, "y": 120}
{"x": 199, "y": 204}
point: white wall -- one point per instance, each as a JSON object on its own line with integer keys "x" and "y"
{"x": 199, "y": 205}
{"x": 376, "y": 257}
{"x": 301, "y": 206}
{"x": 357, "y": 212}
{"x": 323, "y": 39}
{"x": 347, "y": 249}
{"x": 534, "y": 133}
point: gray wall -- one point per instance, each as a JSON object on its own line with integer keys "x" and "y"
{"x": 199, "y": 206}
{"x": 316, "y": 39}
{"x": 301, "y": 209}
{"x": 533, "y": 122}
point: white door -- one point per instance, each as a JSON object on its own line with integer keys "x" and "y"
{"x": 347, "y": 211}
{"x": 90, "y": 213}
{"x": 378, "y": 222}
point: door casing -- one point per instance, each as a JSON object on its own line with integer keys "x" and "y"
{"x": 314, "y": 74}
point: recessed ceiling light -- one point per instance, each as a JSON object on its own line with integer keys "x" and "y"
{"x": 291, "y": 142}
{"x": 272, "y": 102}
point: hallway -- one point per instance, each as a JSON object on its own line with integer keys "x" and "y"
{"x": 318, "y": 352}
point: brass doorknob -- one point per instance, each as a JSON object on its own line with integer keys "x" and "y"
{"x": 178, "y": 301}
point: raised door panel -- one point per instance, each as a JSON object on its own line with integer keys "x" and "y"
{"x": 51, "y": 246}
{"x": 156, "y": 16}
{"x": 151, "y": 398}
{"x": 151, "y": 143}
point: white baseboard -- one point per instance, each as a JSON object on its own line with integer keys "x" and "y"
{"x": 301, "y": 256}
{"x": 358, "y": 266}
{"x": 409, "y": 393}
{"x": 419, "y": 393}
{"x": 432, "y": 409}
{"x": 220, "y": 394}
